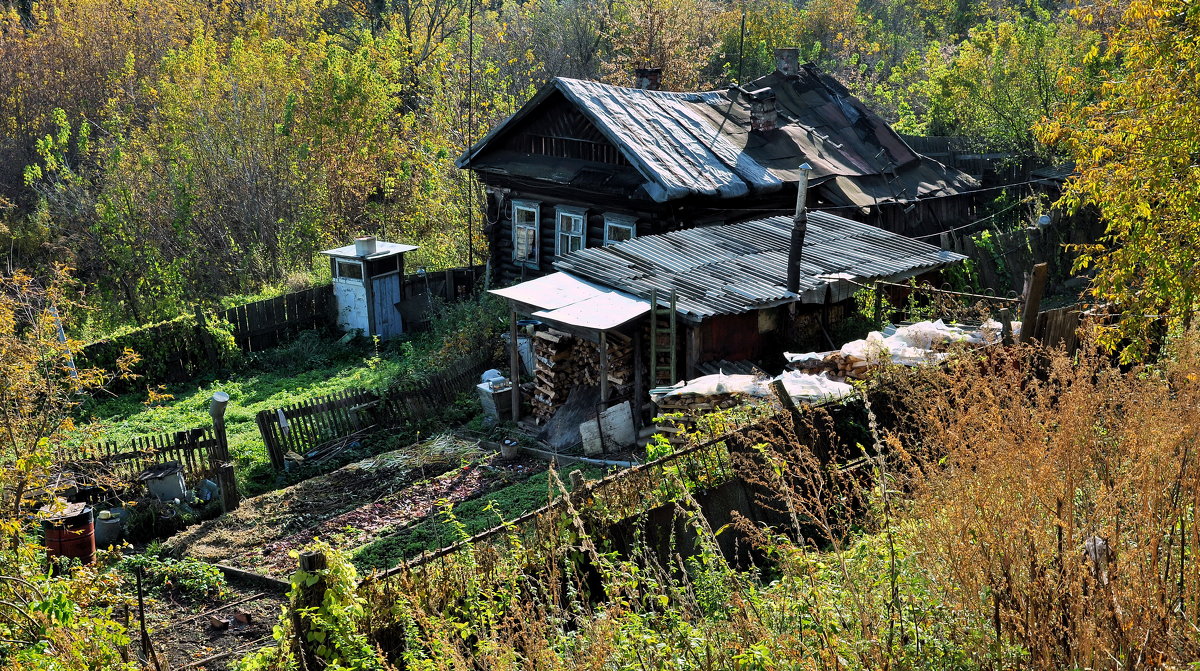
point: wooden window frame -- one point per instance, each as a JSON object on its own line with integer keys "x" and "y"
{"x": 618, "y": 221}
{"x": 536, "y": 208}
{"x": 362, "y": 270}
{"x": 563, "y": 212}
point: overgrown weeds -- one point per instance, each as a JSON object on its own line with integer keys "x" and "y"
{"x": 1013, "y": 508}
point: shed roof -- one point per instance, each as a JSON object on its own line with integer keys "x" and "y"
{"x": 566, "y": 299}
{"x": 736, "y": 268}
{"x": 700, "y": 144}
{"x": 382, "y": 249}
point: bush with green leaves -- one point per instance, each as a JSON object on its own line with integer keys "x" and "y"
{"x": 186, "y": 578}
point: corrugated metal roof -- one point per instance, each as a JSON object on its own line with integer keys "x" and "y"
{"x": 735, "y": 268}
{"x": 687, "y": 144}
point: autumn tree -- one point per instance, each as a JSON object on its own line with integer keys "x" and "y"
{"x": 1137, "y": 150}
{"x": 678, "y": 36}
{"x": 995, "y": 85}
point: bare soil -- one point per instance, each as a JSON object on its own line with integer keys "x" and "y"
{"x": 181, "y": 639}
{"x": 363, "y": 496}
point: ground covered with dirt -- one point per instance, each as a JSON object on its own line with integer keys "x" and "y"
{"x": 212, "y": 634}
{"x": 271, "y": 523}
{"x": 352, "y": 506}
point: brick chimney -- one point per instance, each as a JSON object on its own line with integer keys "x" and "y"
{"x": 763, "y": 115}
{"x": 787, "y": 61}
{"x": 647, "y": 78}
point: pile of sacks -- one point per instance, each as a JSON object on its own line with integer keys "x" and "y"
{"x": 920, "y": 343}
{"x": 724, "y": 391}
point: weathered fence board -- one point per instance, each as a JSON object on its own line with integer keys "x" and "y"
{"x": 193, "y": 449}
{"x": 264, "y": 324}
{"x": 1059, "y": 327}
{"x": 309, "y": 427}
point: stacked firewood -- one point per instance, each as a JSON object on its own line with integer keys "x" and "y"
{"x": 554, "y": 372}
{"x": 620, "y": 359}
{"x": 836, "y": 364}
{"x": 565, "y": 362}
{"x": 690, "y": 406}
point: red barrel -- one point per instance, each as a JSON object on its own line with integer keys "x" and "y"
{"x": 71, "y": 533}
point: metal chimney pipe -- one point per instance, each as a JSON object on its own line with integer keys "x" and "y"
{"x": 799, "y": 228}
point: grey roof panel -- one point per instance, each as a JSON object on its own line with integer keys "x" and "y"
{"x": 739, "y": 267}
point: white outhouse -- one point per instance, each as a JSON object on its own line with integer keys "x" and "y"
{"x": 368, "y": 282}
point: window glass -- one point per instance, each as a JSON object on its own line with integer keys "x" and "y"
{"x": 570, "y": 231}
{"x": 350, "y": 270}
{"x": 618, "y": 229}
{"x": 525, "y": 233}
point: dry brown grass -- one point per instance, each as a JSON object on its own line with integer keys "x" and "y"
{"x": 1059, "y": 499}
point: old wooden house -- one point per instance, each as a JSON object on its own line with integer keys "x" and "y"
{"x": 660, "y": 307}
{"x": 585, "y": 164}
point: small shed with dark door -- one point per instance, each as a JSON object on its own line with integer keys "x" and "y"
{"x": 368, "y": 285}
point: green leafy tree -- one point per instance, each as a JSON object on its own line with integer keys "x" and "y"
{"x": 995, "y": 85}
{"x": 1137, "y": 149}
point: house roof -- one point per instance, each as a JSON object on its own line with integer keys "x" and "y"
{"x": 736, "y": 268}
{"x": 700, "y": 144}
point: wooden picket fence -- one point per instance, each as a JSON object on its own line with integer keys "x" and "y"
{"x": 118, "y": 462}
{"x": 267, "y": 323}
{"x": 313, "y": 428}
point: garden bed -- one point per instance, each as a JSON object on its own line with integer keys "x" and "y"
{"x": 275, "y": 521}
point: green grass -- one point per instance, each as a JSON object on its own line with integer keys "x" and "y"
{"x": 309, "y": 367}
{"x": 435, "y": 532}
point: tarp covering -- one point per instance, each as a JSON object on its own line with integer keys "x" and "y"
{"x": 919, "y": 343}
{"x": 802, "y": 387}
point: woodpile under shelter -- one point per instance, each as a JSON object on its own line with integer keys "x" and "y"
{"x": 585, "y": 164}
{"x": 649, "y": 311}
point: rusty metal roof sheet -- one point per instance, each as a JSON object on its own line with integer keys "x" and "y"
{"x": 736, "y": 268}
{"x": 686, "y": 144}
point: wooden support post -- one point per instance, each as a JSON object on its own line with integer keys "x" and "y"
{"x": 1006, "y": 337}
{"x": 514, "y": 363}
{"x": 221, "y": 462}
{"x": 637, "y": 376}
{"x": 309, "y": 596}
{"x": 604, "y": 386}
{"x": 781, "y": 394}
{"x": 692, "y": 354}
{"x": 1035, "y": 287}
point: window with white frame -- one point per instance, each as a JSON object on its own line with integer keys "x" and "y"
{"x": 525, "y": 220}
{"x": 618, "y": 228}
{"x": 570, "y": 230}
